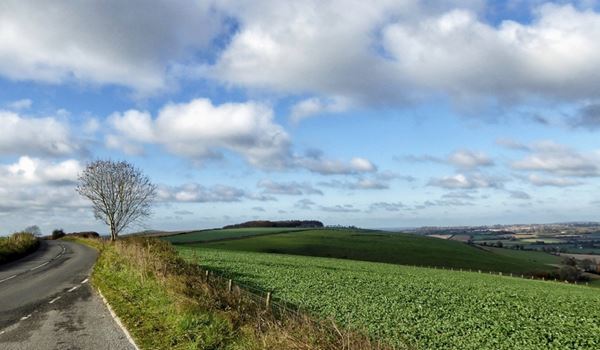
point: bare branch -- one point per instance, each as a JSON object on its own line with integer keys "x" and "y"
{"x": 120, "y": 193}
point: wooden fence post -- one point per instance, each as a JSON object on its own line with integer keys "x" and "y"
{"x": 207, "y": 275}
{"x": 229, "y": 285}
{"x": 268, "y": 301}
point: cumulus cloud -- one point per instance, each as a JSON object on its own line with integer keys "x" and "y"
{"x": 387, "y": 206}
{"x": 460, "y": 195}
{"x": 23, "y": 135}
{"x": 403, "y": 51}
{"x": 71, "y": 40}
{"x": 33, "y": 184}
{"x": 471, "y": 181}
{"x": 196, "y": 193}
{"x": 320, "y": 165}
{"x": 305, "y": 204}
{"x": 292, "y": 188}
{"x": 346, "y": 208}
{"x": 512, "y": 144}
{"x": 462, "y": 159}
{"x": 587, "y": 117}
{"x": 519, "y": 195}
{"x": 560, "y": 160}
{"x": 201, "y": 130}
{"x": 314, "y": 106}
{"x": 541, "y": 181}
{"x": 20, "y": 104}
{"x": 358, "y": 184}
{"x": 469, "y": 159}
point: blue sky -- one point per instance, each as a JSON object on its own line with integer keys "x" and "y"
{"x": 377, "y": 114}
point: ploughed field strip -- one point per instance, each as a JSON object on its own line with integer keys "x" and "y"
{"x": 427, "y": 308}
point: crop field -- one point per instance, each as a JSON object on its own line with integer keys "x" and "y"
{"x": 220, "y": 234}
{"x": 397, "y": 248}
{"x": 421, "y": 307}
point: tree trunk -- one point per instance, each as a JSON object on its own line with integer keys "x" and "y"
{"x": 113, "y": 233}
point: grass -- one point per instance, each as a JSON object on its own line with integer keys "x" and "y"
{"x": 396, "y": 248}
{"x": 165, "y": 304}
{"x": 223, "y": 234}
{"x": 425, "y": 308}
{"x": 17, "y": 246}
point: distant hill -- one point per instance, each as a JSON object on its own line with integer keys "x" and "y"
{"x": 386, "y": 247}
{"x": 286, "y": 223}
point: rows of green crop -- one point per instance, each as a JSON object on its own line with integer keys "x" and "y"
{"x": 220, "y": 234}
{"x": 430, "y": 309}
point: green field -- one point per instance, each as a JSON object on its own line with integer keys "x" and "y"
{"x": 222, "y": 234}
{"x": 425, "y": 308}
{"x": 397, "y": 248}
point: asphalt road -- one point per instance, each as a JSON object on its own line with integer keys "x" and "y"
{"x": 46, "y": 302}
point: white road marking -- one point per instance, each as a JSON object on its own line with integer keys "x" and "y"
{"x": 85, "y": 280}
{"x": 8, "y": 278}
{"x": 37, "y": 267}
{"x": 72, "y": 289}
{"x": 53, "y": 300}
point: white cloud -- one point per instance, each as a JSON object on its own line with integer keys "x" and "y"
{"x": 557, "y": 159}
{"x": 40, "y": 136}
{"x": 358, "y": 184}
{"x": 346, "y": 208}
{"x": 36, "y": 185}
{"x": 314, "y": 106}
{"x": 201, "y": 130}
{"x": 552, "y": 181}
{"x": 35, "y": 171}
{"x": 71, "y": 40}
{"x": 469, "y": 159}
{"x": 463, "y": 159}
{"x": 461, "y": 181}
{"x": 305, "y": 204}
{"x": 20, "y": 104}
{"x": 397, "y": 52}
{"x": 134, "y": 124}
{"x": 292, "y": 188}
{"x": 335, "y": 167}
{"x": 519, "y": 195}
{"x": 396, "y": 206}
{"x": 196, "y": 193}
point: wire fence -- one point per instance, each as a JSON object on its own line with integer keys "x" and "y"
{"x": 263, "y": 299}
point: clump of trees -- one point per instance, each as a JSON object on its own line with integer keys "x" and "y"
{"x": 120, "y": 193}
{"x": 286, "y": 223}
{"x": 58, "y": 233}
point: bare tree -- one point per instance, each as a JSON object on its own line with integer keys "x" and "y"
{"x": 120, "y": 193}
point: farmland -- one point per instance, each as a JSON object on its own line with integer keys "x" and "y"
{"x": 224, "y": 234}
{"x": 397, "y": 248}
{"x": 421, "y": 307}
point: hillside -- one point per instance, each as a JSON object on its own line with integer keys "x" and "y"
{"x": 423, "y": 307}
{"x": 225, "y": 234}
{"x": 379, "y": 246}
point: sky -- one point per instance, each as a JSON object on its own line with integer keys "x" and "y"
{"x": 376, "y": 113}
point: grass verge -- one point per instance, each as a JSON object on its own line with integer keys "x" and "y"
{"x": 17, "y": 246}
{"x": 165, "y": 303}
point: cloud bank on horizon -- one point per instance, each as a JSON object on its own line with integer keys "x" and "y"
{"x": 379, "y": 114}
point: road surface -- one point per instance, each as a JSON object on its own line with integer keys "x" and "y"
{"x": 46, "y": 302}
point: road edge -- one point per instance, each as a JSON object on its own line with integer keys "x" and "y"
{"x": 117, "y": 319}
